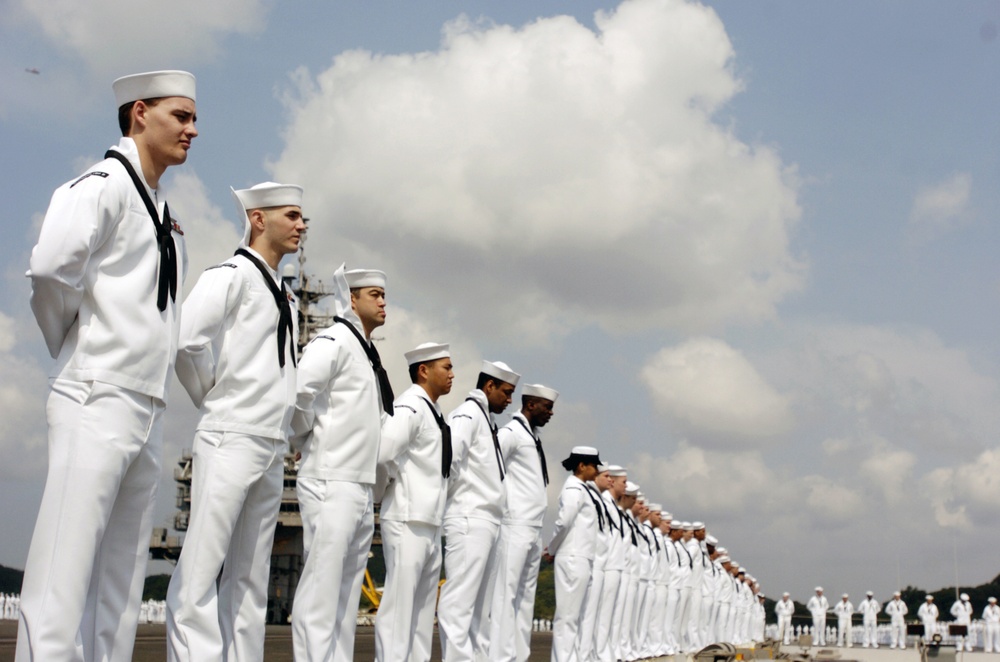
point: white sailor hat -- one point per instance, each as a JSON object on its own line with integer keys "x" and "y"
{"x": 631, "y": 488}
{"x": 263, "y": 196}
{"x": 743, "y": 570}
{"x": 819, "y": 589}
{"x": 897, "y": 594}
{"x": 722, "y": 550}
{"x": 666, "y": 514}
{"x": 698, "y": 526}
{"x": 602, "y": 468}
{"x": 928, "y": 597}
{"x": 725, "y": 559}
{"x": 844, "y": 596}
{"x": 501, "y": 371}
{"x": 616, "y": 471}
{"x": 585, "y": 454}
{"x": 687, "y": 526}
{"x": 676, "y": 525}
{"x": 965, "y": 596}
{"x": 153, "y": 85}
{"x": 428, "y": 351}
{"x": 869, "y": 594}
{"x": 365, "y": 278}
{"x": 655, "y": 507}
{"x": 786, "y": 594}
{"x": 539, "y": 391}
{"x": 711, "y": 540}
{"x": 991, "y": 599}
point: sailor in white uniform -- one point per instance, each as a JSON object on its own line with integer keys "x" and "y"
{"x": 572, "y": 546}
{"x": 343, "y": 397}
{"x": 614, "y": 566}
{"x": 991, "y": 632}
{"x": 587, "y": 640}
{"x": 818, "y": 605}
{"x": 783, "y": 609}
{"x": 520, "y": 549}
{"x": 961, "y": 611}
{"x": 237, "y": 356}
{"x": 897, "y": 611}
{"x": 630, "y": 579}
{"x": 415, "y": 458}
{"x": 105, "y": 274}
{"x": 620, "y": 641}
{"x": 870, "y": 609}
{"x": 928, "y": 615}
{"x": 844, "y": 611}
{"x": 474, "y": 510}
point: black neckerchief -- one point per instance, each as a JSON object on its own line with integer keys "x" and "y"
{"x": 285, "y": 329}
{"x": 652, "y": 534}
{"x": 384, "y": 387}
{"x": 611, "y": 522}
{"x": 496, "y": 441}
{"x": 445, "y": 438}
{"x": 167, "y": 281}
{"x": 538, "y": 447}
{"x": 597, "y": 504}
{"x": 631, "y": 527}
{"x": 682, "y": 546}
{"x": 638, "y": 530}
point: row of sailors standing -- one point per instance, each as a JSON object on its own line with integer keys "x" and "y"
{"x": 105, "y": 275}
{"x": 962, "y": 611}
{"x": 633, "y": 583}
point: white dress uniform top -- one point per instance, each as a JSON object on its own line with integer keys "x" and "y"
{"x": 928, "y": 615}
{"x": 783, "y": 609}
{"x": 991, "y": 621}
{"x": 961, "y": 611}
{"x": 870, "y": 609}
{"x": 844, "y": 610}
{"x": 520, "y": 549}
{"x": 412, "y": 453}
{"x": 474, "y": 509}
{"x": 337, "y": 422}
{"x": 573, "y": 544}
{"x": 95, "y": 278}
{"x": 230, "y": 365}
{"x": 818, "y": 605}
{"x": 897, "y": 611}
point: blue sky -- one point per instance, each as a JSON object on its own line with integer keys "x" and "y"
{"x": 752, "y": 244}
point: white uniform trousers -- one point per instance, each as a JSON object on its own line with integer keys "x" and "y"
{"x": 586, "y": 641}
{"x": 897, "y": 632}
{"x": 694, "y": 620}
{"x": 627, "y": 649}
{"x": 658, "y": 636}
{"x": 682, "y": 613}
{"x": 337, "y": 527}
{"x": 470, "y": 572}
{"x": 870, "y": 630}
{"x": 722, "y": 632}
{"x": 991, "y": 638}
{"x": 87, "y": 562}
{"x": 669, "y": 614}
{"x": 643, "y": 612}
{"x": 785, "y": 629}
{"x": 518, "y": 560}
{"x": 236, "y": 487}
{"x": 616, "y": 635}
{"x": 819, "y": 629}
{"x": 404, "y": 624}
{"x": 572, "y": 575}
{"x": 845, "y": 632}
{"x": 603, "y": 649}
{"x": 706, "y": 629}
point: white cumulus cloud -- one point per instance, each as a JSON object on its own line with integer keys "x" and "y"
{"x": 941, "y": 207}
{"x": 715, "y": 394}
{"x": 144, "y": 34}
{"x": 549, "y": 176}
